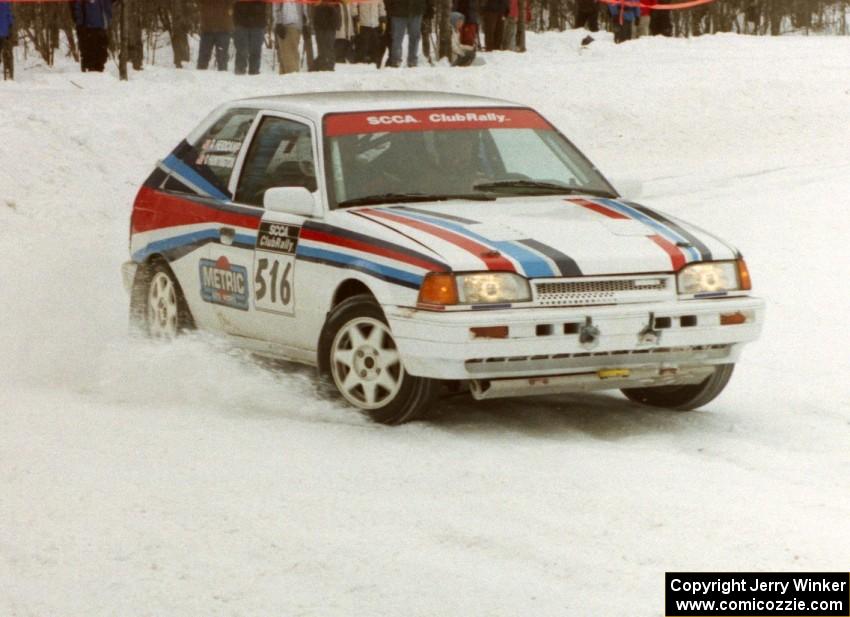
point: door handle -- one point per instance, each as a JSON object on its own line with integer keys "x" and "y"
{"x": 227, "y": 235}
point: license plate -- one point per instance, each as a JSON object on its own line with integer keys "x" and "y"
{"x": 611, "y": 373}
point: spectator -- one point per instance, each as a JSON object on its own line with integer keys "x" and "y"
{"x": 509, "y": 35}
{"x": 405, "y": 17}
{"x": 326, "y": 20}
{"x": 642, "y": 25}
{"x": 660, "y": 22}
{"x": 623, "y": 21}
{"x": 290, "y": 18}
{"x": 587, "y": 15}
{"x": 216, "y": 30}
{"x": 92, "y": 19}
{"x": 7, "y": 31}
{"x": 343, "y": 45}
{"x": 249, "y": 19}
{"x": 494, "y": 13}
{"x": 370, "y": 15}
{"x": 462, "y": 55}
{"x": 469, "y": 30}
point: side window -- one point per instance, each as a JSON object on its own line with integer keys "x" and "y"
{"x": 209, "y": 163}
{"x": 281, "y": 154}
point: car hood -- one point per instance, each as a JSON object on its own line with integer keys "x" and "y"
{"x": 543, "y": 237}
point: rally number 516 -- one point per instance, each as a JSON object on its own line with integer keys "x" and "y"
{"x": 276, "y": 283}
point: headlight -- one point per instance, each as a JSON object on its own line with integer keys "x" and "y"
{"x": 475, "y": 288}
{"x": 713, "y": 277}
{"x": 492, "y": 288}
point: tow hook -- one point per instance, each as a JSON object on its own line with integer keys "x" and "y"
{"x": 589, "y": 334}
{"x": 649, "y": 336}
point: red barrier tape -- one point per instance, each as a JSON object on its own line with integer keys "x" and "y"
{"x": 658, "y": 7}
{"x": 651, "y": 7}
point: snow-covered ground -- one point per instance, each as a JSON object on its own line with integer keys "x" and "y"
{"x": 138, "y": 479}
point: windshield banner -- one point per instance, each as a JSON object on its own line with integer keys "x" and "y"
{"x": 407, "y": 120}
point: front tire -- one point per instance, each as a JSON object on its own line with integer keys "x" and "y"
{"x": 359, "y": 354}
{"x": 683, "y": 398}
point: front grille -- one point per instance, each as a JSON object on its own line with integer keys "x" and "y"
{"x": 600, "y": 291}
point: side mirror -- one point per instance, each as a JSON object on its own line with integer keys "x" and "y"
{"x": 628, "y": 188}
{"x": 290, "y": 200}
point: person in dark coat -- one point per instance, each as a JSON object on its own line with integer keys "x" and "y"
{"x": 587, "y": 15}
{"x": 7, "y": 25}
{"x": 216, "y": 30}
{"x": 92, "y": 18}
{"x": 249, "y": 21}
{"x": 326, "y": 20}
{"x": 494, "y": 15}
{"x": 405, "y": 17}
{"x": 660, "y": 22}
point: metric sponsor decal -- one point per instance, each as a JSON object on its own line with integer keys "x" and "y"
{"x": 224, "y": 283}
{"x": 278, "y": 238}
{"x": 451, "y": 119}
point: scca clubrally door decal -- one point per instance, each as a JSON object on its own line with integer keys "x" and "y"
{"x": 274, "y": 267}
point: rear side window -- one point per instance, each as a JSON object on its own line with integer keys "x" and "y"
{"x": 206, "y": 166}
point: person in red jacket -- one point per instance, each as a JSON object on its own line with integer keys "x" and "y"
{"x": 642, "y": 28}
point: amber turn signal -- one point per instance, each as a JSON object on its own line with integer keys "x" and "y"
{"x": 744, "y": 276}
{"x": 438, "y": 288}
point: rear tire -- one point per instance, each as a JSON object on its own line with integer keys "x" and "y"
{"x": 683, "y": 398}
{"x": 157, "y": 306}
{"x": 359, "y": 355}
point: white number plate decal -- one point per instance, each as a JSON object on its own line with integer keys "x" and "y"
{"x": 274, "y": 267}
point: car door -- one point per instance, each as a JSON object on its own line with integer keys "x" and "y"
{"x": 282, "y": 153}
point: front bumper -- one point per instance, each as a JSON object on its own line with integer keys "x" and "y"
{"x": 664, "y": 337}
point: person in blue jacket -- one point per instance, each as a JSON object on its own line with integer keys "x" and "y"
{"x": 623, "y": 26}
{"x": 6, "y": 31}
{"x": 92, "y": 18}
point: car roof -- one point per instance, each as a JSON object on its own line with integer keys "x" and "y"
{"x": 315, "y": 105}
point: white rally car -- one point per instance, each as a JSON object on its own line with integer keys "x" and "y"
{"x": 403, "y": 240}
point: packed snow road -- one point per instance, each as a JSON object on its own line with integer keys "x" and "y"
{"x": 138, "y": 479}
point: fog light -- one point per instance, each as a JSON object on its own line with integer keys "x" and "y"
{"x": 490, "y": 332}
{"x": 736, "y": 318}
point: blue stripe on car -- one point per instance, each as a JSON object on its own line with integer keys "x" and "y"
{"x": 386, "y": 273}
{"x": 532, "y": 264}
{"x": 182, "y": 169}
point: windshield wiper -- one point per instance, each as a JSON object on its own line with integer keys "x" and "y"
{"x": 546, "y": 186}
{"x": 391, "y": 198}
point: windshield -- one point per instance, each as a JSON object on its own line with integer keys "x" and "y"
{"x": 418, "y": 155}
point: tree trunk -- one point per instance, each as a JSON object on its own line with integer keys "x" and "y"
{"x": 520, "y": 26}
{"x": 124, "y": 48}
{"x": 444, "y": 10}
{"x": 179, "y": 33}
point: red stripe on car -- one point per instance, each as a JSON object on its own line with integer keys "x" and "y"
{"x": 677, "y": 258}
{"x": 598, "y": 208}
{"x": 158, "y": 210}
{"x": 357, "y": 245}
{"x": 490, "y": 256}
